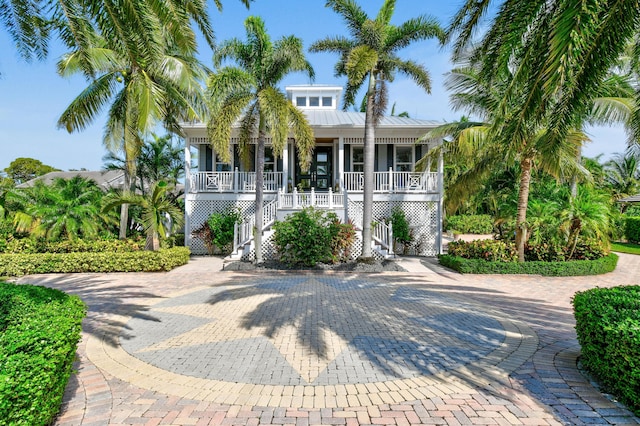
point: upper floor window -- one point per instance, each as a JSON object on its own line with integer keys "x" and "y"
{"x": 301, "y": 101}
{"x": 314, "y": 101}
{"x": 220, "y": 166}
{"x": 404, "y": 159}
{"x": 327, "y": 101}
{"x": 357, "y": 159}
{"x": 269, "y": 160}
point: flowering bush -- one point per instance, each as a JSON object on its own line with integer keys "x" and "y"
{"x": 490, "y": 250}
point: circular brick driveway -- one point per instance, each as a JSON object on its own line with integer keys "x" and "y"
{"x": 202, "y": 346}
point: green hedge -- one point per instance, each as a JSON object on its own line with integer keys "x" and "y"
{"x": 139, "y": 261}
{"x": 632, "y": 229}
{"x": 554, "y": 269}
{"x": 471, "y": 224}
{"x": 31, "y": 245}
{"x": 39, "y": 333}
{"x": 608, "y": 329}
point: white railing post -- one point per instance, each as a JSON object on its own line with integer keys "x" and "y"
{"x": 390, "y": 238}
{"x": 313, "y": 196}
{"x": 236, "y": 182}
{"x": 345, "y": 198}
{"x": 330, "y": 199}
{"x": 235, "y": 237}
{"x": 295, "y": 198}
{"x": 390, "y": 179}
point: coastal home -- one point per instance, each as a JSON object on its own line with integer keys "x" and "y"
{"x": 334, "y": 181}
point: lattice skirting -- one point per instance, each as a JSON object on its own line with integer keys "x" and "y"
{"x": 421, "y": 215}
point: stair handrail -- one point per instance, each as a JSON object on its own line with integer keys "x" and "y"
{"x": 382, "y": 233}
{"x": 243, "y": 231}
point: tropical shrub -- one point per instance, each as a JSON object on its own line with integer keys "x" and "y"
{"x": 401, "y": 231}
{"x": 489, "y": 250}
{"x": 221, "y": 225}
{"x": 554, "y": 251}
{"x": 311, "y": 236}
{"x": 632, "y": 229}
{"x": 470, "y": 224}
{"x": 608, "y": 329}
{"x": 33, "y": 245}
{"x": 39, "y": 333}
{"x": 136, "y": 261}
{"x": 556, "y": 269}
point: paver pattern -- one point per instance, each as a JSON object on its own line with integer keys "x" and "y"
{"x": 202, "y": 346}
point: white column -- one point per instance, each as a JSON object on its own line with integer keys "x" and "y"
{"x": 341, "y": 162}
{"x": 440, "y": 201}
{"x": 187, "y": 189}
{"x": 285, "y": 166}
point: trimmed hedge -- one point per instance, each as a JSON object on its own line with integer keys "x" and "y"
{"x": 553, "y": 269}
{"x": 39, "y": 333}
{"x": 138, "y": 261}
{"x": 471, "y": 224}
{"x": 608, "y": 329}
{"x": 31, "y": 245}
{"x": 632, "y": 229}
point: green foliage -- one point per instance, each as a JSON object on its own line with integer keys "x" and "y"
{"x": 608, "y": 329}
{"x": 311, "y": 236}
{"x": 23, "y": 169}
{"x": 32, "y": 245}
{"x": 136, "y": 261}
{"x": 630, "y": 248}
{"x": 401, "y": 230}
{"x": 488, "y": 250}
{"x": 558, "y": 269}
{"x": 40, "y": 329}
{"x": 470, "y": 224}
{"x": 632, "y": 229}
{"x": 221, "y": 225}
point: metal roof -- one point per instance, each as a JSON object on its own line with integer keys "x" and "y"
{"x": 631, "y": 199}
{"x": 106, "y": 178}
{"x": 338, "y": 118}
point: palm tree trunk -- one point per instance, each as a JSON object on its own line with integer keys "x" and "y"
{"x": 369, "y": 165}
{"x": 259, "y": 191}
{"x": 523, "y": 202}
{"x": 124, "y": 208}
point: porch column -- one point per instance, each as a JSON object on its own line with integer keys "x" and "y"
{"x": 187, "y": 189}
{"x": 285, "y": 167}
{"x": 440, "y": 212}
{"x": 341, "y": 162}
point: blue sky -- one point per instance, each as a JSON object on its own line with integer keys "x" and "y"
{"x": 32, "y": 95}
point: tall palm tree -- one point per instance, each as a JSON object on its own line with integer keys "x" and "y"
{"x": 139, "y": 93}
{"x": 248, "y": 92}
{"x": 474, "y": 142}
{"x": 158, "y": 210}
{"x": 371, "y": 56}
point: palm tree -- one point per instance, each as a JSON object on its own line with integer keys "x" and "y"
{"x": 371, "y": 56}
{"x": 249, "y": 92}
{"x": 476, "y": 144}
{"x": 68, "y": 208}
{"x": 158, "y": 210}
{"x": 560, "y": 54}
{"x": 140, "y": 93}
{"x": 623, "y": 174}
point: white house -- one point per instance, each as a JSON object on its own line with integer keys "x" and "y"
{"x": 333, "y": 182}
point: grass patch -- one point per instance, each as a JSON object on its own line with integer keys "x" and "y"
{"x": 629, "y": 248}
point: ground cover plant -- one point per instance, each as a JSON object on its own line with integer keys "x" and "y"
{"x": 39, "y": 333}
{"x": 629, "y": 248}
{"x": 470, "y": 224}
{"x": 608, "y": 329}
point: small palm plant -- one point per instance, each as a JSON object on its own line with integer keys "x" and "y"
{"x": 159, "y": 213}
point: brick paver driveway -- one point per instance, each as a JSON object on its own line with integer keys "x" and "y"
{"x": 199, "y": 345}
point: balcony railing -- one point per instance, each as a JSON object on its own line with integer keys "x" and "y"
{"x": 235, "y": 181}
{"x": 384, "y": 182}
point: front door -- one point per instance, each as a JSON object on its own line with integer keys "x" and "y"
{"x": 319, "y": 176}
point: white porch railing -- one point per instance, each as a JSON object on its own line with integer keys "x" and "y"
{"x": 299, "y": 200}
{"x": 392, "y": 181}
{"x": 243, "y": 232}
{"x": 383, "y": 235}
{"x": 235, "y": 181}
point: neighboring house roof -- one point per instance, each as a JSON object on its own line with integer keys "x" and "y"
{"x": 631, "y": 199}
{"x": 107, "y": 178}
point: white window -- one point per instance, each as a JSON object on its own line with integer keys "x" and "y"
{"x": 220, "y": 166}
{"x": 269, "y": 160}
{"x": 314, "y": 101}
{"x": 327, "y": 101}
{"x": 404, "y": 159}
{"x": 357, "y": 159}
{"x": 301, "y": 101}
